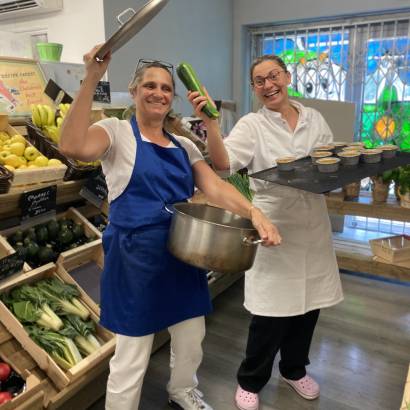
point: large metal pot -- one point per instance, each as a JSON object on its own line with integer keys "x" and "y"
{"x": 212, "y": 238}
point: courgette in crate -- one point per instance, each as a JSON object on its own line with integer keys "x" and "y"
{"x": 188, "y": 76}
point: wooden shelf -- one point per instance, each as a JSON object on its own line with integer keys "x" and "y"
{"x": 357, "y": 257}
{"x": 66, "y": 192}
{"x": 365, "y": 207}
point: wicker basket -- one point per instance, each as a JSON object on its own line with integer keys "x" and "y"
{"x": 5, "y": 178}
{"x": 50, "y": 150}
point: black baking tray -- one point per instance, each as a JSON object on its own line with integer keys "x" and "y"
{"x": 307, "y": 177}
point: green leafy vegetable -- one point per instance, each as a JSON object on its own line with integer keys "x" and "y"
{"x": 59, "y": 347}
{"x": 38, "y": 307}
{"x": 82, "y": 334}
{"x": 241, "y": 183}
{"x": 62, "y": 297}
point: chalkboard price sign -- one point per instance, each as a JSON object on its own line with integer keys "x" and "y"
{"x": 95, "y": 189}
{"x": 102, "y": 92}
{"x": 10, "y": 264}
{"x": 38, "y": 202}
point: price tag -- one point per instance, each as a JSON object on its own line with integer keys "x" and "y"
{"x": 39, "y": 202}
{"x": 95, "y": 189}
{"x": 10, "y": 264}
{"x": 56, "y": 93}
{"x": 102, "y": 92}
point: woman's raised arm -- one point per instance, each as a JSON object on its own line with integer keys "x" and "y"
{"x": 78, "y": 140}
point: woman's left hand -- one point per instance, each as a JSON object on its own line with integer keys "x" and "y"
{"x": 266, "y": 229}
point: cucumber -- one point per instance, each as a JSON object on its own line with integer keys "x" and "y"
{"x": 188, "y": 76}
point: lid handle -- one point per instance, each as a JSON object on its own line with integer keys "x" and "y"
{"x": 126, "y": 11}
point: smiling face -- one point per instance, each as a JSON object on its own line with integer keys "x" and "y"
{"x": 270, "y": 84}
{"x": 153, "y": 95}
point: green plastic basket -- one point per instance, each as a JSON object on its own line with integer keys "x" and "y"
{"x": 49, "y": 51}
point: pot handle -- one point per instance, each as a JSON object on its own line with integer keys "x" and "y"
{"x": 126, "y": 11}
{"x": 248, "y": 241}
{"x": 169, "y": 209}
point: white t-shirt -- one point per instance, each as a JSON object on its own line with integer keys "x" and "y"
{"x": 119, "y": 159}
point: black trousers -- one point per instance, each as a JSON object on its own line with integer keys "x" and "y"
{"x": 267, "y": 335}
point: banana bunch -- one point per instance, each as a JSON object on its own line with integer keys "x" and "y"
{"x": 92, "y": 163}
{"x": 42, "y": 115}
{"x": 52, "y": 132}
{"x": 63, "y": 109}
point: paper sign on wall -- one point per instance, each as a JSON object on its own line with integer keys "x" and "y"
{"x": 22, "y": 83}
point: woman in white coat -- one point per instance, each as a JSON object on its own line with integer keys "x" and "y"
{"x": 287, "y": 286}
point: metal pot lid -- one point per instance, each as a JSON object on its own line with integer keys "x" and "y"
{"x": 131, "y": 27}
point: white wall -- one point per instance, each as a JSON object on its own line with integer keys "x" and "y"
{"x": 246, "y": 12}
{"x": 197, "y": 31}
{"x": 79, "y": 26}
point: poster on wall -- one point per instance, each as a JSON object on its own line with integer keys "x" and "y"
{"x": 22, "y": 83}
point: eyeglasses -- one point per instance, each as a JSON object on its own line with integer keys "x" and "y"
{"x": 259, "y": 81}
{"x": 142, "y": 62}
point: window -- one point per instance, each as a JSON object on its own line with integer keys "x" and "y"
{"x": 365, "y": 62}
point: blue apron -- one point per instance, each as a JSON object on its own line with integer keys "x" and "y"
{"x": 144, "y": 289}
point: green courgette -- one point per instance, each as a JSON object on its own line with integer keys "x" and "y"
{"x": 188, "y": 76}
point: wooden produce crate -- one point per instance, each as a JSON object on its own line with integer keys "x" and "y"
{"x": 90, "y": 211}
{"x": 405, "y": 405}
{"x": 32, "y": 397}
{"x": 74, "y": 171}
{"x": 27, "y": 177}
{"x": 5, "y": 250}
{"x": 392, "y": 249}
{"x": 85, "y": 268}
{"x": 60, "y": 377}
{"x": 89, "y": 231}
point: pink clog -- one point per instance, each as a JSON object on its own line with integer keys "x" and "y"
{"x": 305, "y": 387}
{"x": 245, "y": 400}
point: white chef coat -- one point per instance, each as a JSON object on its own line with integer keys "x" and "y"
{"x": 301, "y": 274}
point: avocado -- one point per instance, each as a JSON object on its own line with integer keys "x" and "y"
{"x": 63, "y": 223}
{"x": 15, "y": 237}
{"x": 31, "y": 234}
{"x": 46, "y": 254}
{"x": 65, "y": 237}
{"x": 32, "y": 249}
{"x": 42, "y": 234}
{"x": 78, "y": 231}
{"x": 53, "y": 229}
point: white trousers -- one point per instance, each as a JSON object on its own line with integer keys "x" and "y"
{"x": 131, "y": 358}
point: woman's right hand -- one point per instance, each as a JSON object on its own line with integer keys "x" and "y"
{"x": 266, "y": 229}
{"x": 95, "y": 69}
{"x": 198, "y": 102}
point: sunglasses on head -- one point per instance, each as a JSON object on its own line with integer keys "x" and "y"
{"x": 142, "y": 62}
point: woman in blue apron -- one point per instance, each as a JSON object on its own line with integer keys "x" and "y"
{"x": 144, "y": 289}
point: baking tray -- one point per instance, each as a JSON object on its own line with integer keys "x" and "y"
{"x": 306, "y": 176}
